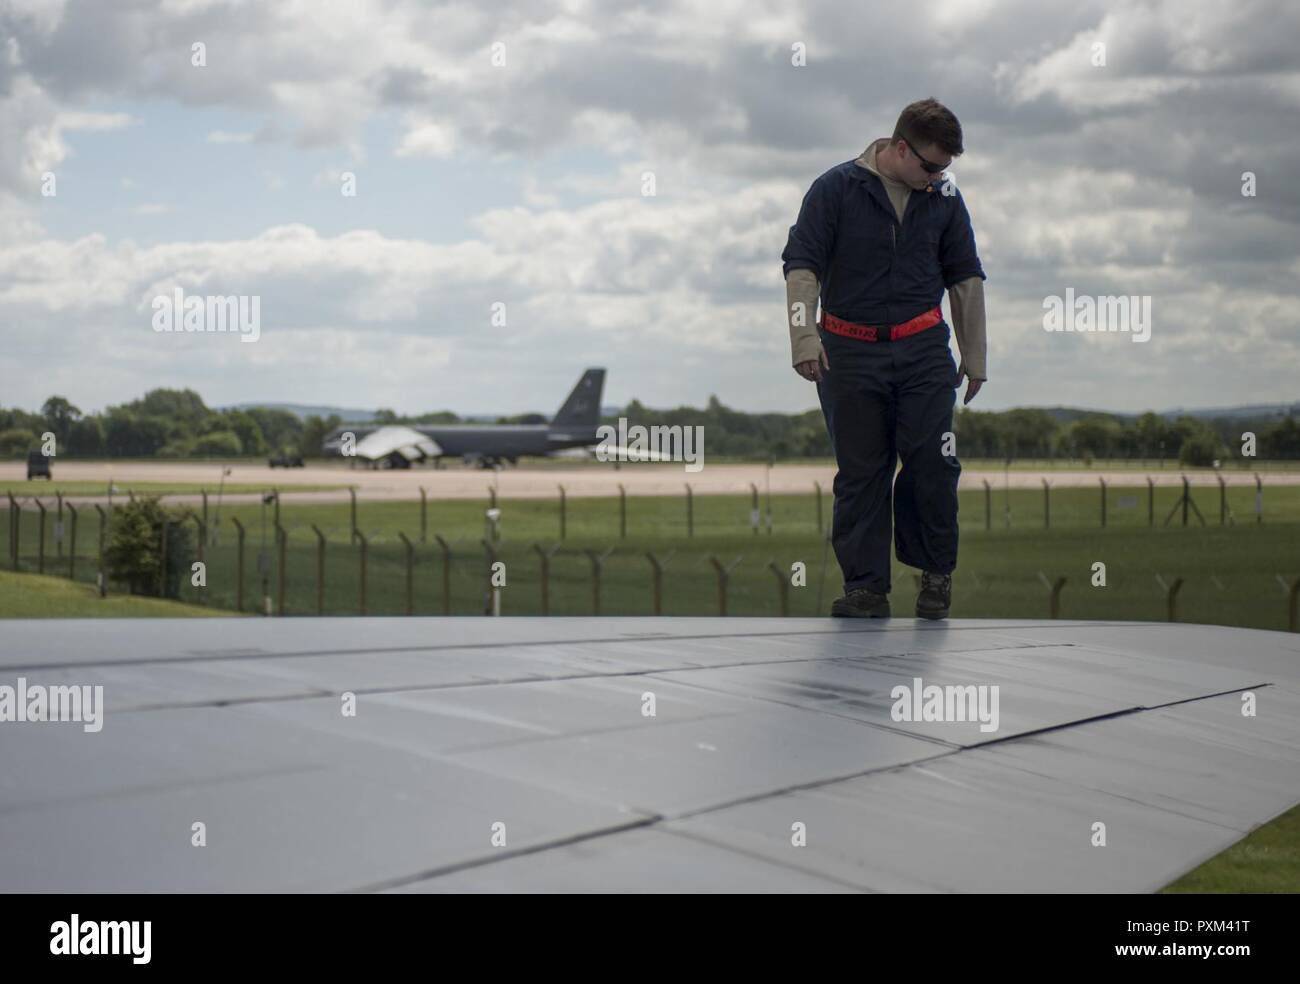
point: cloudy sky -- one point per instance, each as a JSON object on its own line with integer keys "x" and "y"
{"x": 500, "y": 151}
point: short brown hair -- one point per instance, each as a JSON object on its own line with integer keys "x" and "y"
{"x": 929, "y": 122}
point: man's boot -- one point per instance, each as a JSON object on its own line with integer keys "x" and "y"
{"x": 935, "y": 597}
{"x": 861, "y": 603}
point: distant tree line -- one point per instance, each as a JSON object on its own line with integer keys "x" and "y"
{"x": 1036, "y": 433}
{"x": 164, "y": 423}
{"x": 1025, "y": 433}
{"x": 170, "y": 423}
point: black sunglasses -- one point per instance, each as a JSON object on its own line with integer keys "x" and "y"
{"x": 926, "y": 166}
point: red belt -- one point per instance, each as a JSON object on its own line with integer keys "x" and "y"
{"x": 881, "y": 333}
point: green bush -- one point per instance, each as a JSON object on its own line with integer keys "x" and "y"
{"x": 15, "y": 442}
{"x": 134, "y": 548}
{"x": 1201, "y": 450}
{"x": 219, "y": 444}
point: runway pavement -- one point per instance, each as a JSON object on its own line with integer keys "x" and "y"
{"x": 579, "y": 481}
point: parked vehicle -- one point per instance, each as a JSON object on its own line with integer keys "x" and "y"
{"x": 38, "y": 464}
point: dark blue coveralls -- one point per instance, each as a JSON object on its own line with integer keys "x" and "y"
{"x": 883, "y": 400}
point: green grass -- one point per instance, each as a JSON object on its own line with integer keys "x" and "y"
{"x": 47, "y": 490}
{"x": 34, "y": 596}
{"x": 1265, "y": 861}
{"x": 1230, "y": 572}
{"x": 1153, "y": 466}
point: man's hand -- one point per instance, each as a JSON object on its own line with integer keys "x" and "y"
{"x": 972, "y": 387}
{"x": 811, "y": 370}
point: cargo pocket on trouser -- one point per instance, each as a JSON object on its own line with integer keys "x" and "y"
{"x": 925, "y": 492}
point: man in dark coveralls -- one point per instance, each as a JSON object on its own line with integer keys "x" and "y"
{"x": 878, "y": 240}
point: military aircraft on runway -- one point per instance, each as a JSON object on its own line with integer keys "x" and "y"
{"x": 487, "y": 445}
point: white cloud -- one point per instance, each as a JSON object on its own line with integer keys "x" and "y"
{"x": 427, "y": 139}
{"x": 223, "y": 136}
{"x": 1104, "y": 178}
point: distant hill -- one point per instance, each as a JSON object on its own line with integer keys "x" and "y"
{"x": 1266, "y": 410}
{"x": 303, "y": 411}
{"x": 1259, "y": 411}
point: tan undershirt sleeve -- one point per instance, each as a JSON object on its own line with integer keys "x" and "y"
{"x": 801, "y": 293}
{"x": 966, "y": 299}
{"x": 967, "y": 302}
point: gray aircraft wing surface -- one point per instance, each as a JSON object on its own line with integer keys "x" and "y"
{"x": 619, "y": 452}
{"x": 406, "y": 441}
{"x": 775, "y": 758}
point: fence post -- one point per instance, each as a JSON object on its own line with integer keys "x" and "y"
{"x": 597, "y": 560}
{"x": 1223, "y": 501}
{"x": 988, "y": 505}
{"x": 58, "y": 525}
{"x": 491, "y": 601}
{"x": 657, "y": 569}
{"x": 545, "y": 557}
{"x": 767, "y": 496}
{"x": 446, "y": 573}
{"x": 1047, "y": 506}
{"x": 103, "y": 574}
{"x": 72, "y": 543}
{"x": 1171, "y": 596}
{"x": 361, "y": 538}
{"x": 352, "y": 493}
{"x": 16, "y": 511}
{"x": 1195, "y": 508}
{"x": 782, "y": 587}
{"x": 282, "y": 544}
{"x": 162, "y": 559}
{"x": 1054, "y": 601}
{"x": 320, "y": 569}
{"x": 13, "y": 530}
{"x": 1259, "y": 499}
{"x": 202, "y": 525}
{"x": 755, "y": 516}
{"x": 40, "y": 540}
{"x": 818, "y": 493}
{"x": 410, "y": 573}
{"x": 239, "y": 563}
{"x": 723, "y": 574}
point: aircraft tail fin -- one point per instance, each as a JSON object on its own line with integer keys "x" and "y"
{"x": 582, "y": 408}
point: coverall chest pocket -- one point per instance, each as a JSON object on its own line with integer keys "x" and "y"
{"x": 925, "y": 238}
{"x": 927, "y": 227}
{"x": 866, "y": 240}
